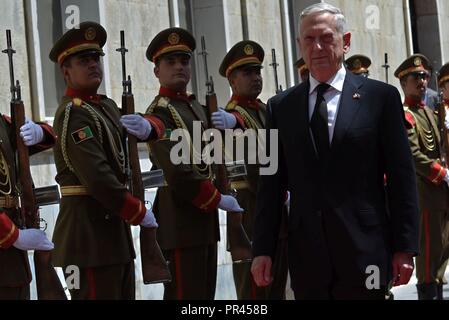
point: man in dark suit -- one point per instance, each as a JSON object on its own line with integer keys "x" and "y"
{"x": 338, "y": 135}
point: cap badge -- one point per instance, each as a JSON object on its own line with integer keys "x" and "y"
{"x": 249, "y": 50}
{"x": 417, "y": 61}
{"x": 90, "y": 34}
{"x": 173, "y": 38}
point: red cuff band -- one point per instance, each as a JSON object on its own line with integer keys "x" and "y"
{"x": 49, "y": 137}
{"x": 437, "y": 173}
{"x": 8, "y": 232}
{"x": 133, "y": 210}
{"x": 240, "y": 120}
{"x": 208, "y": 197}
{"x": 157, "y": 125}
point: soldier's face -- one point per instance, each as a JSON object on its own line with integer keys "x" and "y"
{"x": 246, "y": 82}
{"x": 415, "y": 85}
{"x": 174, "y": 72}
{"x": 322, "y": 46}
{"x": 445, "y": 89}
{"x": 83, "y": 72}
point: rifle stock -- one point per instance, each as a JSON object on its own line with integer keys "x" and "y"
{"x": 238, "y": 241}
{"x": 154, "y": 265}
{"x": 48, "y": 285}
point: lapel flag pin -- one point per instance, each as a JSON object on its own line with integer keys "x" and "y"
{"x": 356, "y": 96}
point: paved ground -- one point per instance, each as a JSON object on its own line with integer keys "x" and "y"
{"x": 408, "y": 292}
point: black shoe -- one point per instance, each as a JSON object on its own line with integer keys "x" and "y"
{"x": 427, "y": 291}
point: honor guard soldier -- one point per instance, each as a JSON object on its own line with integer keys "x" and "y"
{"x": 241, "y": 66}
{"x": 15, "y": 275}
{"x": 443, "y": 83}
{"x": 358, "y": 64}
{"x": 92, "y": 231}
{"x": 186, "y": 208}
{"x": 303, "y": 69}
{"x": 432, "y": 176}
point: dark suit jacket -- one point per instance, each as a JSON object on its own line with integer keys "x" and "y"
{"x": 340, "y": 222}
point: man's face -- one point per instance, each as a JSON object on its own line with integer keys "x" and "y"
{"x": 246, "y": 82}
{"x": 322, "y": 46}
{"x": 445, "y": 89}
{"x": 415, "y": 85}
{"x": 174, "y": 72}
{"x": 83, "y": 72}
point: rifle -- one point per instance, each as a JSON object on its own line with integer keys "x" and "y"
{"x": 386, "y": 66}
{"x": 444, "y": 144}
{"x": 154, "y": 265}
{"x": 275, "y": 65}
{"x": 239, "y": 244}
{"x": 47, "y": 281}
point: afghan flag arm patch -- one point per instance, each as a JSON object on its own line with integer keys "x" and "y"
{"x": 82, "y": 134}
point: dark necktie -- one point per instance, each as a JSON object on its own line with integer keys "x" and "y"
{"x": 319, "y": 123}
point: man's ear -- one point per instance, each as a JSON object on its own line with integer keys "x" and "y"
{"x": 346, "y": 42}
{"x": 65, "y": 72}
{"x": 156, "y": 71}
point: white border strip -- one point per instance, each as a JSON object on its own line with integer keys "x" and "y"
{"x": 106, "y": 76}
{"x": 38, "y": 63}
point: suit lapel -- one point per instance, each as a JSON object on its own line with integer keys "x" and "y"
{"x": 300, "y": 103}
{"x": 349, "y": 105}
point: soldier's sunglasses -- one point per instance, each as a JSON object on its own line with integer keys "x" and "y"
{"x": 420, "y": 76}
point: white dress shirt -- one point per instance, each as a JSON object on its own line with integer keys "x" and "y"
{"x": 332, "y": 97}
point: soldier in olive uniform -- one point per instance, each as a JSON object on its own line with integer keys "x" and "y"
{"x": 358, "y": 64}
{"x": 443, "y": 83}
{"x": 92, "y": 231}
{"x": 15, "y": 275}
{"x": 424, "y": 138}
{"x": 187, "y": 208}
{"x": 303, "y": 69}
{"x": 241, "y": 66}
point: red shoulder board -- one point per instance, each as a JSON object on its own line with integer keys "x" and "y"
{"x": 409, "y": 120}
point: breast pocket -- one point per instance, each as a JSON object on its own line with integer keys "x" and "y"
{"x": 369, "y": 217}
{"x": 360, "y": 133}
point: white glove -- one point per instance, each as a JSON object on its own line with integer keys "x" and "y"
{"x": 446, "y": 120}
{"x": 33, "y": 239}
{"x": 223, "y": 120}
{"x": 229, "y": 203}
{"x": 136, "y": 125}
{"x": 149, "y": 221}
{"x": 31, "y": 133}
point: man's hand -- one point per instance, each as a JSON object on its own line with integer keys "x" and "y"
{"x": 136, "y": 125}
{"x": 33, "y": 239}
{"x": 223, "y": 120}
{"x": 402, "y": 268}
{"x": 31, "y": 133}
{"x": 229, "y": 203}
{"x": 149, "y": 221}
{"x": 261, "y": 271}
